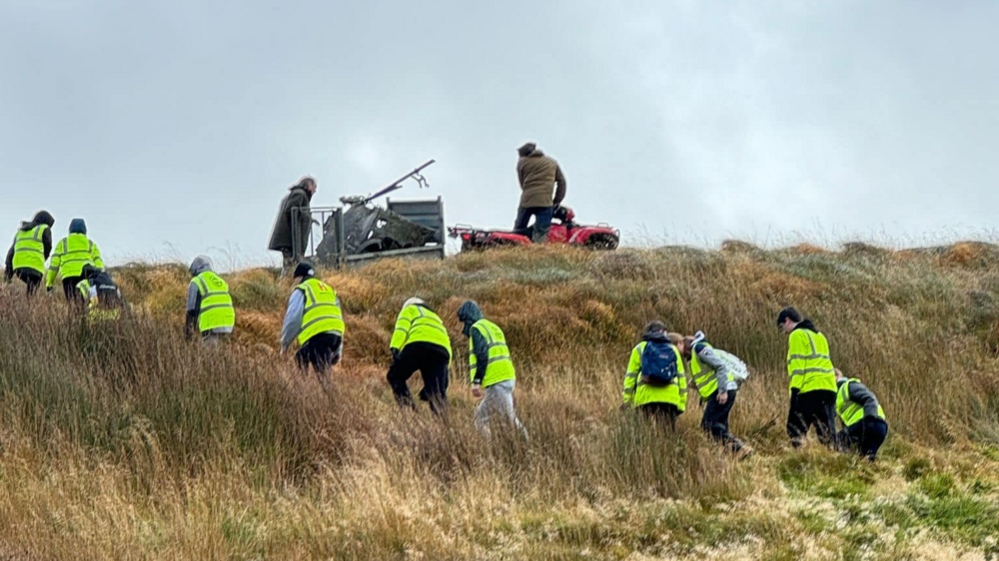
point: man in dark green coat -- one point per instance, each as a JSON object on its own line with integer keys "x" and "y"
{"x": 293, "y": 224}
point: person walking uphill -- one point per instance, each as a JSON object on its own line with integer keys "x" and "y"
{"x": 420, "y": 342}
{"x": 714, "y": 373}
{"x": 209, "y": 304}
{"x": 864, "y": 425}
{"x": 70, "y": 255}
{"x": 656, "y": 383}
{"x": 538, "y": 174}
{"x": 293, "y": 224}
{"x": 490, "y": 368}
{"x": 315, "y": 318}
{"x": 812, "y": 379}
{"x": 32, "y": 246}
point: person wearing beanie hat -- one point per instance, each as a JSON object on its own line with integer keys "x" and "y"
{"x": 538, "y": 175}
{"x": 209, "y": 303}
{"x": 70, "y": 255}
{"x": 315, "y": 319}
{"x": 420, "y": 342}
{"x": 811, "y": 379}
{"x": 31, "y": 248}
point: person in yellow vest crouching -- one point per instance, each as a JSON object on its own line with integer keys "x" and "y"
{"x": 656, "y": 382}
{"x": 717, "y": 375}
{"x": 32, "y": 246}
{"x": 315, "y": 319}
{"x": 420, "y": 342}
{"x": 490, "y": 368}
{"x": 209, "y": 304}
{"x": 864, "y": 424}
{"x": 99, "y": 295}
{"x": 70, "y": 255}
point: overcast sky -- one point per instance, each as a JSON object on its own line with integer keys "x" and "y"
{"x": 176, "y": 127}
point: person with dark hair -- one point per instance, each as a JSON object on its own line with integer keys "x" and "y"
{"x": 209, "y": 303}
{"x": 864, "y": 424}
{"x": 31, "y": 248}
{"x": 812, "y": 379}
{"x": 538, "y": 175}
{"x": 101, "y": 297}
{"x": 315, "y": 318}
{"x": 293, "y": 224}
{"x": 420, "y": 342}
{"x": 655, "y": 382}
{"x": 70, "y": 255}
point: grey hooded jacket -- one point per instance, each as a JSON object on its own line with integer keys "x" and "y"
{"x": 708, "y": 357}
{"x": 200, "y": 265}
{"x": 469, "y": 313}
{"x": 862, "y": 396}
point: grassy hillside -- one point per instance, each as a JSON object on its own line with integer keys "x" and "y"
{"x": 132, "y": 444}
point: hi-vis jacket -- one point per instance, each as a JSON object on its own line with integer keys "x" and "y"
{"x": 637, "y": 393}
{"x": 809, "y": 367}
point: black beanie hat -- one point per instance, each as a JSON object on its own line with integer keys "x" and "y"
{"x": 304, "y": 270}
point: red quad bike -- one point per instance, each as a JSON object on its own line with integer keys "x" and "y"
{"x": 563, "y": 231}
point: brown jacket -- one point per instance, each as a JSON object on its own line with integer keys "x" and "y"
{"x": 538, "y": 174}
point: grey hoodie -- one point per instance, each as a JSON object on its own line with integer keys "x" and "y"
{"x": 201, "y": 264}
{"x": 707, "y": 356}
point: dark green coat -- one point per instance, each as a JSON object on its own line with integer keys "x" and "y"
{"x": 281, "y": 237}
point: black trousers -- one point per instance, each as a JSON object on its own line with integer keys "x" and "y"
{"x": 30, "y": 277}
{"x": 432, "y": 361}
{"x": 663, "y": 413}
{"x": 69, "y": 288}
{"x": 715, "y": 420}
{"x": 322, "y": 352}
{"x": 816, "y": 408}
{"x": 865, "y": 437}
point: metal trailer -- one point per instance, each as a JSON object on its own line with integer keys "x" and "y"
{"x": 360, "y": 233}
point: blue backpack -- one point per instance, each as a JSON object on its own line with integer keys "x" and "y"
{"x": 659, "y": 364}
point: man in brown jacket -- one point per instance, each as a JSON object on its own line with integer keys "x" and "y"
{"x": 538, "y": 174}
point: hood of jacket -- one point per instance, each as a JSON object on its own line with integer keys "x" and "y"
{"x": 657, "y": 337}
{"x": 469, "y": 313}
{"x": 807, "y": 324}
{"x": 526, "y": 149}
{"x": 77, "y": 226}
{"x": 200, "y": 265}
{"x": 308, "y": 195}
{"x": 41, "y": 217}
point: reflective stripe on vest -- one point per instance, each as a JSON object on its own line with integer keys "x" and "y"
{"x": 705, "y": 379}
{"x": 84, "y": 288}
{"x": 417, "y": 324}
{"x": 500, "y": 366}
{"x": 849, "y": 411}
{"x": 216, "y": 309}
{"x": 810, "y": 368}
{"x": 322, "y": 314}
{"x": 642, "y": 394}
{"x": 73, "y": 253}
{"x": 29, "y": 249}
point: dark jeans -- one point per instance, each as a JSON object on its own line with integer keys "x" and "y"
{"x": 432, "y": 362}
{"x": 321, "y": 352}
{"x": 30, "y": 277}
{"x": 663, "y": 413}
{"x": 865, "y": 437}
{"x": 69, "y": 288}
{"x": 815, "y": 408}
{"x": 715, "y": 421}
{"x": 542, "y": 221}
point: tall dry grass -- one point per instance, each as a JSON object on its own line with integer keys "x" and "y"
{"x": 129, "y": 442}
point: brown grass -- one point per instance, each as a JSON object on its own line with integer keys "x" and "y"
{"x": 130, "y": 443}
